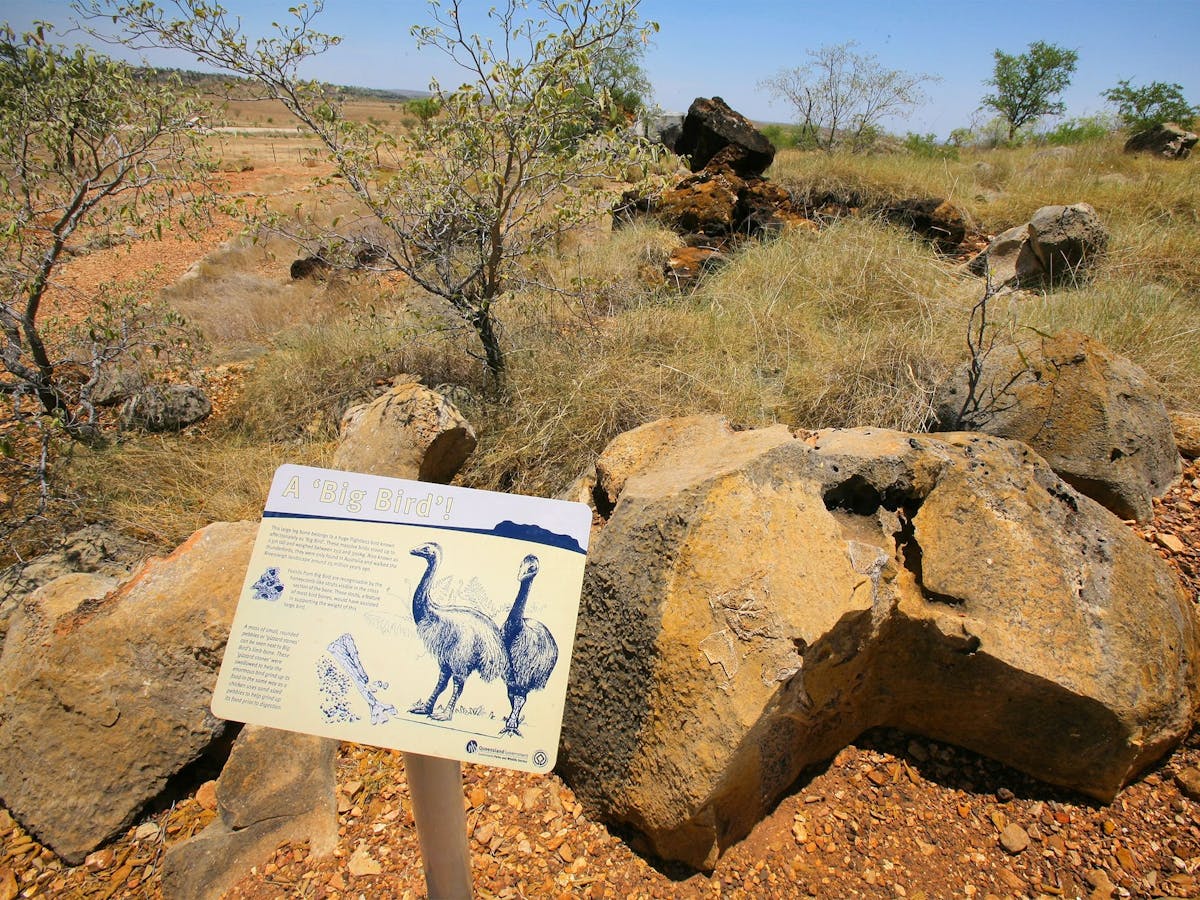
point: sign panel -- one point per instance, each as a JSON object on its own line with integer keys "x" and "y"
{"x": 421, "y": 617}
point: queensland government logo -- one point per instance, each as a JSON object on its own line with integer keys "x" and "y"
{"x": 472, "y": 746}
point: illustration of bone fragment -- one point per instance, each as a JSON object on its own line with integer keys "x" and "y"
{"x": 345, "y": 652}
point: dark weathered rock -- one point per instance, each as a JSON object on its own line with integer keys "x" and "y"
{"x": 756, "y": 600}
{"x": 165, "y": 407}
{"x": 1066, "y": 239}
{"x": 106, "y": 700}
{"x": 1167, "y": 140}
{"x": 712, "y": 128}
{"x": 1094, "y": 416}
{"x": 1060, "y": 243}
{"x": 935, "y": 219}
{"x": 277, "y": 786}
{"x": 309, "y": 267}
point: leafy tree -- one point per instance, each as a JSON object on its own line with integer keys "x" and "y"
{"x": 461, "y": 203}
{"x": 1028, "y": 83}
{"x": 1152, "y": 104}
{"x": 842, "y": 94}
{"x": 88, "y": 147}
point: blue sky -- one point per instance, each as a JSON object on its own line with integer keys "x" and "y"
{"x": 723, "y": 48}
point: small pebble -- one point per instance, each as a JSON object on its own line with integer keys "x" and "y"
{"x": 1014, "y": 839}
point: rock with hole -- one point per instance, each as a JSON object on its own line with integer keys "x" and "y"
{"x": 756, "y": 599}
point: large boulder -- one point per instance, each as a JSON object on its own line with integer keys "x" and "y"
{"x": 1167, "y": 140}
{"x": 756, "y": 599}
{"x": 1095, "y": 417}
{"x": 715, "y": 136}
{"x": 1186, "y": 426}
{"x": 408, "y": 432}
{"x": 277, "y": 786}
{"x": 1058, "y": 244}
{"x": 106, "y": 697}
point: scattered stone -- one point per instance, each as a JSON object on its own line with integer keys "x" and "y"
{"x": 409, "y": 432}
{"x": 145, "y": 831}
{"x": 756, "y": 599}
{"x": 1004, "y": 795}
{"x": 1167, "y": 140}
{"x": 1014, "y": 839}
{"x": 206, "y": 795}
{"x": 1168, "y": 542}
{"x": 1097, "y": 418}
{"x": 701, "y": 204}
{"x": 170, "y": 407}
{"x": 99, "y": 716}
{"x": 361, "y": 863}
{"x": 1188, "y": 781}
{"x": 715, "y": 136}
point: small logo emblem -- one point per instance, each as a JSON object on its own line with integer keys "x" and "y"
{"x": 472, "y": 746}
{"x": 539, "y": 758}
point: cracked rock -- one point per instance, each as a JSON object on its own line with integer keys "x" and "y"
{"x": 756, "y": 599}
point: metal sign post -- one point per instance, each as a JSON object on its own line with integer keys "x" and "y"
{"x": 430, "y": 619}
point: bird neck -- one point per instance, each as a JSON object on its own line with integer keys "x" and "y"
{"x": 421, "y": 603}
{"x": 517, "y": 613}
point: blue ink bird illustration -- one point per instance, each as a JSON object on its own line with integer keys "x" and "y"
{"x": 530, "y": 649}
{"x": 462, "y": 640}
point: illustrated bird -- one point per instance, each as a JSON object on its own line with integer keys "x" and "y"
{"x": 529, "y": 646}
{"x": 461, "y": 639}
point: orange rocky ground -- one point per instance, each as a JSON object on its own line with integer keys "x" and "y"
{"x": 894, "y": 816}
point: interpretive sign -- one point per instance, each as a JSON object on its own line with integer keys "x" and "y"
{"x": 421, "y": 617}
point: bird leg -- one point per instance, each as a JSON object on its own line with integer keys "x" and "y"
{"x": 510, "y": 727}
{"x": 447, "y": 711}
{"x": 424, "y": 709}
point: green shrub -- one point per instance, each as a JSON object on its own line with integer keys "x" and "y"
{"x": 926, "y": 146}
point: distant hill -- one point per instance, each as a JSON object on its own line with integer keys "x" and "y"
{"x": 245, "y": 89}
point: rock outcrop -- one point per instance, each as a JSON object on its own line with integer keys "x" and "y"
{"x": 1095, "y": 417}
{"x": 108, "y": 696}
{"x": 1058, "y": 244}
{"x": 755, "y": 600}
{"x": 714, "y": 136}
{"x": 408, "y": 432}
{"x": 165, "y": 407}
{"x": 276, "y": 786}
{"x": 1186, "y": 426}
{"x": 1167, "y": 140}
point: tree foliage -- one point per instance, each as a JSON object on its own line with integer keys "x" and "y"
{"x": 1143, "y": 107}
{"x": 1028, "y": 84}
{"x": 88, "y": 147}
{"x": 461, "y": 202}
{"x": 842, "y": 95}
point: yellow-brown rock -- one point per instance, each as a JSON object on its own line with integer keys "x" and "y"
{"x": 755, "y": 600}
{"x": 409, "y": 432}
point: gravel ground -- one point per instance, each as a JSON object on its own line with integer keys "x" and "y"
{"x": 892, "y": 816}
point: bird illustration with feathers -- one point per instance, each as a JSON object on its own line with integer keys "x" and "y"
{"x": 462, "y": 640}
{"x": 530, "y": 650}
